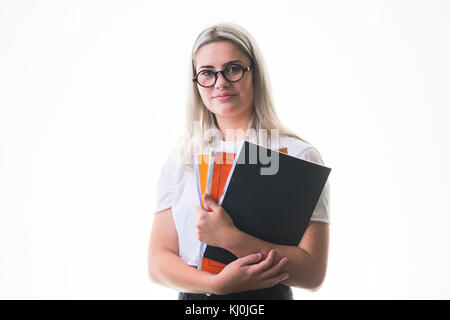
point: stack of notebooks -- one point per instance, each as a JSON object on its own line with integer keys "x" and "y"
{"x": 273, "y": 207}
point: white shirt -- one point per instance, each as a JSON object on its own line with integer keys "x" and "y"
{"x": 176, "y": 189}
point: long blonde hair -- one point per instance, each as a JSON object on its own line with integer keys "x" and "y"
{"x": 199, "y": 119}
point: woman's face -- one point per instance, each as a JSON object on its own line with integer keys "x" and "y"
{"x": 217, "y": 55}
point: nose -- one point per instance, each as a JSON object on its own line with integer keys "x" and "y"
{"x": 221, "y": 81}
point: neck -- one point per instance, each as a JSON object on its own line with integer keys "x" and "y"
{"x": 234, "y": 128}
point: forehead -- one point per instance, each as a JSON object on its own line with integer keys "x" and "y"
{"x": 219, "y": 53}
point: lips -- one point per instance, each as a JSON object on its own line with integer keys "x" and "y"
{"x": 224, "y": 95}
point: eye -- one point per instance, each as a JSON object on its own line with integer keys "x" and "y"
{"x": 234, "y": 69}
{"x": 207, "y": 73}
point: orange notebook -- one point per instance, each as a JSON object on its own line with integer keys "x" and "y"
{"x": 201, "y": 166}
{"x": 212, "y": 174}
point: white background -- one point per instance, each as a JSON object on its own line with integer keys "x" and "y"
{"x": 92, "y": 95}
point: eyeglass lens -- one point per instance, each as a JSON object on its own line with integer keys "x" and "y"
{"x": 231, "y": 73}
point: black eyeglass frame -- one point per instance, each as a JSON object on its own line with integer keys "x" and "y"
{"x": 216, "y": 74}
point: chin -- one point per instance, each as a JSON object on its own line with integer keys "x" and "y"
{"x": 225, "y": 111}
{"x": 225, "y": 107}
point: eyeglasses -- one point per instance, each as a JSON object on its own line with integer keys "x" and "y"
{"x": 232, "y": 73}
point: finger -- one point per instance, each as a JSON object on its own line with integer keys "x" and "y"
{"x": 249, "y": 260}
{"x": 198, "y": 214}
{"x": 200, "y": 209}
{"x": 275, "y": 269}
{"x": 210, "y": 202}
{"x": 264, "y": 264}
{"x": 199, "y": 218}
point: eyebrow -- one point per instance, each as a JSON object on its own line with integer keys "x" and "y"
{"x": 232, "y": 61}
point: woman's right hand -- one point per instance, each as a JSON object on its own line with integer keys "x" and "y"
{"x": 251, "y": 273}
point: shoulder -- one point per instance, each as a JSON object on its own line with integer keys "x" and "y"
{"x": 301, "y": 149}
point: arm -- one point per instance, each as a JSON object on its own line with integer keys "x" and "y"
{"x": 307, "y": 262}
{"x": 163, "y": 252}
{"x": 247, "y": 273}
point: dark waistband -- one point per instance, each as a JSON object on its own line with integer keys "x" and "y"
{"x": 278, "y": 292}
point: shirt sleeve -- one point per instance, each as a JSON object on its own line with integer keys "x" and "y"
{"x": 165, "y": 187}
{"x": 322, "y": 211}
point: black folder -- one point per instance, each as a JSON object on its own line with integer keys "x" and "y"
{"x": 272, "y": 207}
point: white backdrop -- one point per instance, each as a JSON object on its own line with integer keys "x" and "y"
{"x": 92, "y": 95}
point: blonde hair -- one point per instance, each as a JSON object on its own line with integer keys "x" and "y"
{"x": 200, "y": 119}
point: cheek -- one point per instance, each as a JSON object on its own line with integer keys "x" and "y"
{"x": 247, "y": 92}
{"x": 205, "y": 95}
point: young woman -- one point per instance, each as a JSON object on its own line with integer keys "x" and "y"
{"x": 230, "y": 97}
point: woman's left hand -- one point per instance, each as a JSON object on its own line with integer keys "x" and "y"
{"x": 213, "y": 228}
